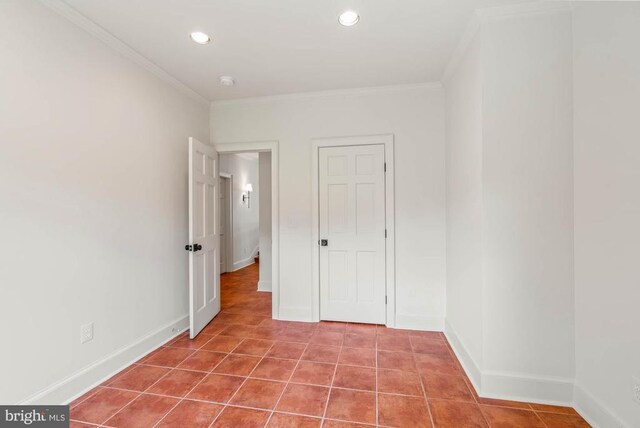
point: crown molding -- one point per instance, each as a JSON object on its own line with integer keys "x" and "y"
{"x": 330, "y": 93}
{"x": 66, "y": 11}
{"x": 523, "y": 9}
{"x": 473, "y": 26}
{"x": 496, "y": 13}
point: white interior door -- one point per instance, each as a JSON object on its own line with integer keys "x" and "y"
{"x": 352, "y": 233}
{"x": 204, "y": 236}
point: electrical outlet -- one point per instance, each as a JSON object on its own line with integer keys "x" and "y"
{"x": 86, "y": 332}
{"x": 635, "y": 385}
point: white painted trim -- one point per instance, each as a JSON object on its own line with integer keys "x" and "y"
{"x": 419, "y": 322}
{"x": 495, "y": 13}
{"x": 330, "y": 93}
{"x": 524, "y": 387}
{"x": 531, "y": 8}
{"x": 264, "y": 286}
{"x": 388, "y": 141}
{"x": 471, "y": 368}
{"x": 252, "y": 156}
{"x": 511, "y": 386}
{"x": 593, "y": 411}
{"x": 246, "y": 262}
{"x": 87, "y": 378}
{"x": 68, "y": 12}
{"x": 228, "y": 245}
{"x": 243, "y": 263}
{"x": 267, "y": 146}
{"x": 473, "y": 26}
{"x": 295, "y": 313}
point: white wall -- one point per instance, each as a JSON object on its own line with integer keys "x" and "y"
{"x": 510, "y": 217}
{"x": 527, "y": 194}
{"x": 93, "y": 184}
{"x": 244, "y": 169}
{"x": 464, "y": 202}
{"x": 607, "y": 209}
{"x": 415, "y": 115}
{"x": 264, "y": 173}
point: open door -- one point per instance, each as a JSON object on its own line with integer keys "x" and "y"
{"x": 204, "y": 236}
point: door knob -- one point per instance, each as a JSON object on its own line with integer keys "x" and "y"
{"x": 324, "y": 242}
{"x": 188, "y": 247}
{"x": 197, "y": 247}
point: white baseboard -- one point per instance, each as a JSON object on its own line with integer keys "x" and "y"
{"x": 295, "y": 313}
{"x": 72, "y": 387}
{"x": 264, "y": 285}
{"x": 468, "y": 363}
{"x": 246, "y": 262}
{"x": 523, "y": 387}
{"x": 511, "y": 386}
{"x": 593, "y": 411}
{"x": 243, "y": 263}
{"x": 415, "y": 322}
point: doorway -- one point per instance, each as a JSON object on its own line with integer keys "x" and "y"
{"x": 226, "y": 221}
{"x": 262, "y": 276}
{"x": 204, "y": 210}
{"x": 245, "y": 233}
{"x": 353, "y": 225}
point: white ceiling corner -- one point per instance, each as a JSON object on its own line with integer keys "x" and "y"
{"x": 497, "y": 12}
{"x": 280, "y": 46}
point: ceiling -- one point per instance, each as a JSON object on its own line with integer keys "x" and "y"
{"x": 287, "y": 46}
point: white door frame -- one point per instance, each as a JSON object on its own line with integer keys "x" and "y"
{"x": 387, "y": 141}
{"x": 266, "y": 146}
{"x": 228, "y": 244}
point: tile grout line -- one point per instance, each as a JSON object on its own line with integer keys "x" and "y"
{"x": 424, "y": 391}
{"x": 326, "y": 405}
{"x": 540, "y": 419}
{"x": 377, "y": 392}
{"x": 252, "y": 408}
{"x": 474, "y": 393}
{"x": 197, "y": 384}
{"x": 243, "y": 382}
{"x": 287, "y": 382}
{"x": 251, "y": 334}
{"x": 141, "y": 393}
{"x": 342, "y": 388}
{"x": 242, "y": 407}
{"x": 275, "y": 406}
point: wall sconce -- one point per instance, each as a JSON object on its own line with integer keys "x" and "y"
{"x": 246, "y": 196}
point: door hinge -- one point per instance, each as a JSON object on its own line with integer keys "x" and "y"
{"x": 385, "y": 300}
{"x": 385, "y": 233}
{"x": 385, "y": 167}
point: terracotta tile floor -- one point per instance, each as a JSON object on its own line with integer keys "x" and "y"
{"x": 247, "y": 370}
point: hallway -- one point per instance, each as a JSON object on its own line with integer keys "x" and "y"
{"x": 239, "y": 296}
{"x": 247, "y": 370}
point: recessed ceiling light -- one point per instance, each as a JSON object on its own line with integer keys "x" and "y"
{"x": 349, "y": 18}
{"x": 227, "y": 81}
{"x": 200, "y": 38}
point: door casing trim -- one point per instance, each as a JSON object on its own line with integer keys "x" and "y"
{"x": 228, "y": 244}
{"x": 388, "y": 141}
